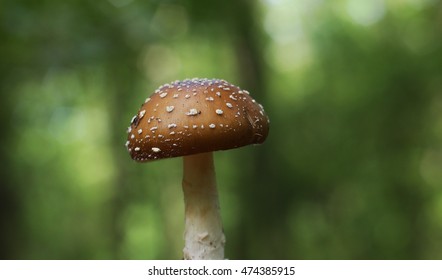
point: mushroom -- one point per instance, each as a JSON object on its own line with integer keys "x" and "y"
{"x": 192, "y": 119}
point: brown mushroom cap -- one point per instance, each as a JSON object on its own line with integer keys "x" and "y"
{"x": 195, "y": 116}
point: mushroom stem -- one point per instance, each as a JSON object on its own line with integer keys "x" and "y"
{"x": 203, "y": 234}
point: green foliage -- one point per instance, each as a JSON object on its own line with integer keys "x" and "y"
{"x": 351, "y": 168}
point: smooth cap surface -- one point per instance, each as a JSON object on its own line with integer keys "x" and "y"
{"x": 195, "y": 116}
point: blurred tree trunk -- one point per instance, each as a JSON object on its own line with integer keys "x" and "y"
{"x": 249, "y": 43}
{"x": 9, "y": 194}
{"x": 122, "y": 81}
{"x": 10, "y": 233}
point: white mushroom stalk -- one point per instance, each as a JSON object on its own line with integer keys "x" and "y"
{"x": 203, "y": 234}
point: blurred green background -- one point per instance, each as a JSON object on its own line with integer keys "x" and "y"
{"x": 352, "y": 167}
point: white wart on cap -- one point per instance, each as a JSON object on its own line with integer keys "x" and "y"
{"x": 195, "y": 116}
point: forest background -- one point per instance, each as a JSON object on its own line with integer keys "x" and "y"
{"x": 352, "y": 167}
